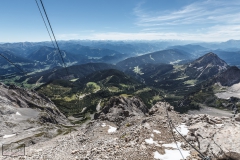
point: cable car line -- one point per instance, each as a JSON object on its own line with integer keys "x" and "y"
{"x": 54, "y": 38}
{"x": 45, "y": 24}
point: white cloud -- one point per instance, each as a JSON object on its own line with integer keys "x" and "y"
{"x": 217, "y": 33}
{"x": 207, "y": 12}
{"x": 208, "y": 20}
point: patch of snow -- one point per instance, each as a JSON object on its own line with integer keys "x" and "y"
{"x": 18, "y": 114}
{"x": 111, "y": 129}
{"x": 103, "y": 125}
{"x": 98, "y": 106}
{"x": 156, "y": 131}
{"x": 182, "y": 129}
{"x": 8, "y": 136}
{"x": 219, "y": 125}
{"x": 174, "y": 62}
{"x": 151, "y": 141}
{"x": 152, "y": 135}
{"x": 171, "y": 155}
{"x": 151, "y": 57}
{"x": 157, "y": 155}
{"x": 200, "y": 68}
{"x": 172, "y": 145}
{"x": 83, "y": 109}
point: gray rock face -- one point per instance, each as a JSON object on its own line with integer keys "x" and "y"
{"x": 143, "y": 134}
{"x": 237, "y": 117}
{"x": 27, "y": 116}
{"x": 120, "y": 108}
{"x": 14, "y": 99}
{"x": 218, "y": 138}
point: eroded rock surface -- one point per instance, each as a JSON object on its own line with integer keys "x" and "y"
{"x": 143, "y": 134}
{"x": 27, "y": 117}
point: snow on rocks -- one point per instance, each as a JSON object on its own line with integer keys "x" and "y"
{"x": 17, "y": 113}
{"x": 156, "y": 131}
{"x": 103, "y": 125}
{"x": 8, "y": 136}
{"x": 182, "y": 129}
{"x": 133, "y": 137}
{"x": 171, "y": 154}
{"x": 111, "y": 128}
{"x": 172, "y": 145}
{"x": 151, "y": 141}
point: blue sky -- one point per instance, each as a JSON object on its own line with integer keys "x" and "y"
{"x": 203, "y": 20}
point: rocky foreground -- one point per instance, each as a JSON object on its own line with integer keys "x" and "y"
{"x": 127, "y": 129}
{"x": 27, "y": 117}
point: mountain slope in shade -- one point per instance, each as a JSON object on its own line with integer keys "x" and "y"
{"x": 50, "y": 56}
{"x": 180, "y": 80}
{"x": 75, "y": 71}
{"x": 23, "y": 63}
{"x": 206, "y": 66}
{"x": 190, "y": 48}
{"x": 221, "y": 91}
{"x": 78, "y": 49}
{"x": 166, "y": 56}
{"x": 109, "y": 76}
{"x": 229, "y": 77}
{"x": 148, "y": 72}
{"x": 22, "y": 49}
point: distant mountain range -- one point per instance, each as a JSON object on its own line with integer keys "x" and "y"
{"x": 114, "y": 80}
{"x": 176, "y": 69}
{"x": 190, "y": 48}
{"x": 21, "y": 62}
{"x": 231, "y": 57}
{"x": 171, "y": 56}
{"x": 51, "y": 56}
{"x": 75, "y": 72}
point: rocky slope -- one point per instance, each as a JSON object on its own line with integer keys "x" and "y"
{"x": 125, "y": 129}
{"x": 27, "y": 117}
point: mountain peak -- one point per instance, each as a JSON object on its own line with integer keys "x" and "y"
{"x": 206, "y": 66}
{"x": 211, "y": 54}
{"x": 209, "y": 58}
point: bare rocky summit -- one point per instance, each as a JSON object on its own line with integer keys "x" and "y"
{"x": 126, "y": 129}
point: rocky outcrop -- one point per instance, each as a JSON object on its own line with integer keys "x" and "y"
{"x": 15, "y": 99}
{"x": 237, "y": 117}
{"x": 119, "y": 108}
{"x": 216, "y": 137}
{"x": 27, "y": 117}
{"x": 144, "y": 134}
{"x": 229, "y": 77}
